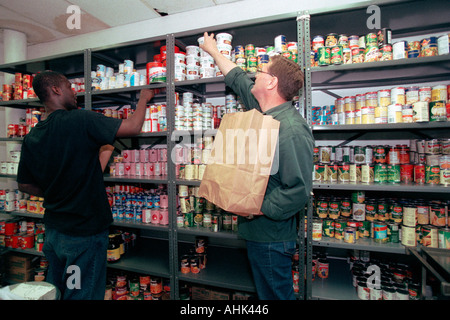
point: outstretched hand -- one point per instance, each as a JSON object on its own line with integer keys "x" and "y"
{"x": 147, "y": 95}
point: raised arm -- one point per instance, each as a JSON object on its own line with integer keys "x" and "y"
{"x": 133, "y": 125}
{"x": 210, "y": 46}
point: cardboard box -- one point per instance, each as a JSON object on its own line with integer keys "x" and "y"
{"x": 23, "y": 261}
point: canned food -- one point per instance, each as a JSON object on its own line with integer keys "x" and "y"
{"x": 323, "y": 56}
{"x": 429, "y": 236}
{"x": 328, "y": 228}
{"x": 336, "y": 55}
{"x": 331, "y": 40}
{"x": 317, "y": 229}
{"x": 400, "y": 50}
{"x": 380, "y": 233}
{"x": 429, "y": 47}
{"x": 444, "y": 238}
{"x": 349, "y": 235}
{"x": 438, "y": 111}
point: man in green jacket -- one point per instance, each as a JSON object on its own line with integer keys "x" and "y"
{"x": 271, "y": 235}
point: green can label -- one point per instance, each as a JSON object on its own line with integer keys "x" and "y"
{"x": 323, "y": 56}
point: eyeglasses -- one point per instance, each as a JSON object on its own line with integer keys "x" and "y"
{"x": 260, "y": 71}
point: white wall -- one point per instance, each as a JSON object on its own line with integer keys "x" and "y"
{"x": 249, "y": 11}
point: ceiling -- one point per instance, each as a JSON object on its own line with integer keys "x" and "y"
{"x": 48, "y": 20}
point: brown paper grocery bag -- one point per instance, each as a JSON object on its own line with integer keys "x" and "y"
{"x": 242, "y": 157}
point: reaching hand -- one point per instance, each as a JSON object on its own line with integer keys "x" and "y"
{"x": 209, "y": 43}
{"x": 146, "y": 95}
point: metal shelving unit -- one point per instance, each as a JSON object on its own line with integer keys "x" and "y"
{"x": 330, "y": 79}
{"x": 160, "y": 255}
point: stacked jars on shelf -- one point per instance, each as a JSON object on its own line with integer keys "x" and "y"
{"x": 195, "y": 211}
{"x": 395, "y": 105}
{"x": 138, "y": 205}
{"x": 140, "y": 162}
{"x": 384, "y": 219}
{"x": 420, "y": 162}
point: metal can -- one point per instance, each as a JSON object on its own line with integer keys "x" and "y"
{"x": 393, "y": 232}
{"x": 429, "y": 47}
{"x": 323, "y": 56}
{"x": 336, "y": 55}
{"x": 328, "y": 228}
{"x": 438, "y": 110}
{"x": 339, "y": 227}
{"x": 385, "y": 53}
{"x": 331, "y": 40}
{"x": 429, "y": 236}
{"x": 400, "y": 50}
{"x": 317, "y": 229}
{"x": 409, "y": 236}
{"x": 419, "y": 173}
{"x": 350, "y": 235}
{"x": 393, "y": 173}
{"x": 444, "y": 238}
{"x": 317, "y": 42}
{"x": 380, "y": 233}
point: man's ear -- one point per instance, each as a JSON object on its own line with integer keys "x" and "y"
{"x": 273, "y": 83}
{"x": 55, "y": 90}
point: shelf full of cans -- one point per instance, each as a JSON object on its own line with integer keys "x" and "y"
{"x": 422, "y": 162}
{"x": 194, "y": 211}
{"x": 32, "y": 117}
{"x": 22, "y": 234}
{"x": 349, "y": 217}
{"x": 17, "y": 201}
{"x": 190, "y": 114}
{"x": 140, "y": 163}
{"x": 105, "y": 78}
{"x": 195, "y": 63}
{"x": 338, "y": 49}
{"x": 136, "y": 204}
{"x": 155, "y": 119}
{"x": 396, "y": 105}
{"x": 135, "y": 286}
{"x": 21, "y": 88}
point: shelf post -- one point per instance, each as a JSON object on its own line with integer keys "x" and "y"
{"x": 304, "y": 60}
{"x": 171, "y": 175}
{"x": 87, "y": 79}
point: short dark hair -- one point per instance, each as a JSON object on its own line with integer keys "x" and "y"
{"x": 289, "y": 74}
{"x": 44, "y": 80}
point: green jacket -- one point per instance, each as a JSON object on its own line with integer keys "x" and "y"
{"x": 288, "y": 189}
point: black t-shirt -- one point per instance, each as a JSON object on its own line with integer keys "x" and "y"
{"x": 61, "y": 156}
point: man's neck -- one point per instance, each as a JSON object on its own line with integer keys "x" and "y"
{"x": 270, "y": 103}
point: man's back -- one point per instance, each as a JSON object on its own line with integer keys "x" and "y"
{"x": 60, "y": 155}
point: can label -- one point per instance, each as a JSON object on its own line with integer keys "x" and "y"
{"x": 323, "y": 56}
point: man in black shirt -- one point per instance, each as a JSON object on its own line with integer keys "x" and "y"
{"x": 60, "y": 161}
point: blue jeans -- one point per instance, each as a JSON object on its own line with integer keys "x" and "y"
{"x": 77, "y": 264}
{"x": 271, "y": 264}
